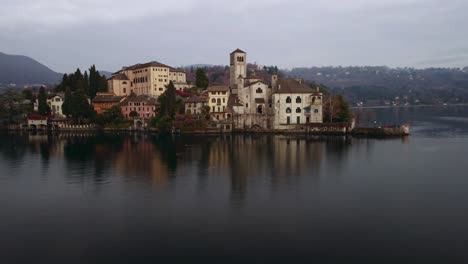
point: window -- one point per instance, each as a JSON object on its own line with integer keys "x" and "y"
{"x": 124, "y": 82}
{"x": 288, "y": 110}
{"x": 316, "y": 111}
{"x": 307, "y": 119}
{"x": 298, "y": 100}
{"x": 224, "y": 100}
{"x": 259, "y": 90}
{"x": 288, "y": 120}
{"x": 218, "y": 102}
{"x": 213, "y": 101}
{"x": 298, "y": 110}
{"x": 259, "y": 109}
{"x": 298, "y": 120}
{"x": 219, "y": 109}
{"x": 288, "y": 100}
{"x": 160, "y": 89}
{"x": 213, "y": 109}
{"x": 247, "y": 105}
{"x": 124, "y": 90}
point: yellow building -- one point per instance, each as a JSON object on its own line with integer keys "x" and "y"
{"x": 217, "y": 101}
{"x": 146, "y": 79}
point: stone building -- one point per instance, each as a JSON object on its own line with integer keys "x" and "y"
{"x": 256, "y": 103}
{"x": 295, "y": 104}
{"x": 148, "y": 78}
{"x": 195, "y": 104}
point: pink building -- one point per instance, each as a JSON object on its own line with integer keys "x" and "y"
{"x": 145, "y": 106}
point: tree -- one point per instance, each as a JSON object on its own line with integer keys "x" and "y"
{"x": 336, "y": 109}
{"x": 168, "y": 101}
{"x": 43, "y": 107}
{"x": 67, "y": 103}
{"x": 11, "y": 106}
{"x": 201, "y": 79}
{"x": 133, "y": 114}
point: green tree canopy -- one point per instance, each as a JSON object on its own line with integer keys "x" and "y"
{"x": 43, "y": 107}
{"x": 201, "y": 79}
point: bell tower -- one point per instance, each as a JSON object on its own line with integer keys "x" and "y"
{"x": 238, "y": 68}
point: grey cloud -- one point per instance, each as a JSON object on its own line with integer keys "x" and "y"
{"x": 110, "y": 34}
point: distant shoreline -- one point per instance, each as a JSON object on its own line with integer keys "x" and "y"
{"x": 405, "y": 106}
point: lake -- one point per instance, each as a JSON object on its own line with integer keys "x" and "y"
{"x": 99, "y": 198}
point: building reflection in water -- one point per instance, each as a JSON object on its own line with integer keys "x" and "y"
{"x": 230, "y": 164}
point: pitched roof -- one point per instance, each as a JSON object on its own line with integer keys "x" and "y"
{"x": 238, "y": 51}
{"x": 140, "y": 98}
{"x": 107, "y": 97}
{"x": 146, "y": 65}
{"x": 176, "y": 70}
{"x": 218, "y": 88}
{"x": 119, "y": 76}
{"x": 196, "y": 99}
{"x": 287, "y": 85}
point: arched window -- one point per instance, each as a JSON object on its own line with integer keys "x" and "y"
{"x": 288, "y": 110}
{"x": 218, "y": 101}
{"x": 316, "y": 111}
{"x": 259, "y": 90}
{"x": 124, "y": 82}
{"x": 313, "y": 99}
{"x": 298, "y": 100}
{"x": 259, "y": 109}
{"x": 298, "y": 110}
{"x": 288, "y": 100}
{"x": 213, "y": 100}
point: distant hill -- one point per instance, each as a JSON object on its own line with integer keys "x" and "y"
{"x": 24, "y": 70}
{"x": 393, "y": 85}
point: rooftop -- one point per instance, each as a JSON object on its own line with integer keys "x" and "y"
{"x": 107, "y": 97}
{"x": 218, "y": 88}
{"x": 287, "y": 86}
{"x": 140, "y": 98}
{"x": 238, "y": 51}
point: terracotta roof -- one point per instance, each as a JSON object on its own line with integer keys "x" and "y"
{"x": 140, "y": 98}
{"x": 119, "y": 76}
{"x": 36, "y": 117}
{"x": 104, "y": 97}
{"x": 291, "y": 86}
{"x": 218, "y": 88}
{"x": 146, "y": 65}
{"x": 176, "y": 70}
{"x": 238, "y": 51}
{"x": 196, "y": 99}
{"x": 259, "y": 100}
{"x": 61, "y": 95}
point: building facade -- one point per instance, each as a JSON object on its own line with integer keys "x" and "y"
{"x": 105, "y": 101}
{"x": 55, "y": 102}
{"x": 144, "y": 106}
{"x": 149, "y": 78}
{"x": 218, "y": 97}
{"x": 194, "y": 105}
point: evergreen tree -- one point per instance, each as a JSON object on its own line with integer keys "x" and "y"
{"x": 93, "y": 82}
{"x": 168, "y": 102}
{"x": 67, "y": 103}
{"x": 43, "y": 107}
{"x": 86, "y": 82}
{"x": 201, "y": 79}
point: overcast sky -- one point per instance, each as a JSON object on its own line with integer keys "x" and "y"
{"x": 66, "y": 34}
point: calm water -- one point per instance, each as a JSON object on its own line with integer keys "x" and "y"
{"x": 141, "y": 198}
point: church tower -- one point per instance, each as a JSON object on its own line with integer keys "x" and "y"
{"x": 238, "y": 67}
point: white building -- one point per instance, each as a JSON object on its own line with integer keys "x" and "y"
{"x": 55, "y": 102}
{"x": 295, "y": 104}
{"x": 282, "y": 103}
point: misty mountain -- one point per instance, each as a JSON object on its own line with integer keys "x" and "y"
{"x": 24, "y": 70}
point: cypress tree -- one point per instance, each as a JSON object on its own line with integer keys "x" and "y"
{"x": 43, "y": 108}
